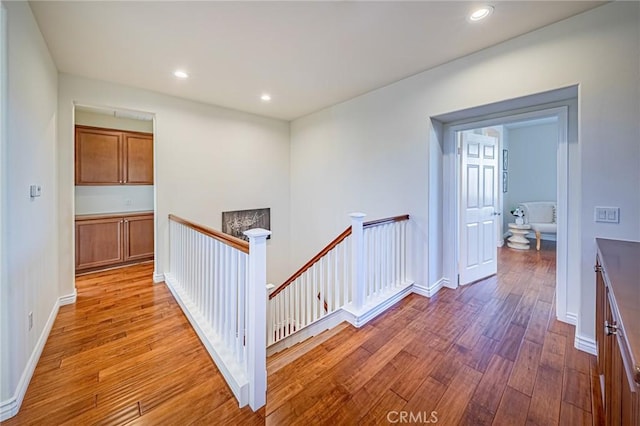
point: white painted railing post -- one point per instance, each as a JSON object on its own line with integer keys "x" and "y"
{"x": 357, "y": 259}
{"x": 257, "y": 317}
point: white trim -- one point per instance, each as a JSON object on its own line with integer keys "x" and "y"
{"x": 569, "y": 318}
{"x": 585, "y": 344}
{"x": 376, "y": 306}
{"x": 69, "y": 299}
{"x": 11, "y": 406}
{"x": 158, "y": 277}
{"x": 474, "y": 119}
{"x": 325, "y": 323}
{"x": 432, "y": 289}
{"x": 233, "y": 373}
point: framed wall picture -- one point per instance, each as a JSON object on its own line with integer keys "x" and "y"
{"x": 505, "y": 160}
{"x": 236, "y": 222}
{"x": 505, "y": 181}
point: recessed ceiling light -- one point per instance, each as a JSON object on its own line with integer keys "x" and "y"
{"x": 481, "y": 13}
{"x": 181, "y": 74}
{"x": 265, "y": 97}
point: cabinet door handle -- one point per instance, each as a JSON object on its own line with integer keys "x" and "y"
{"x": 610, "y": 329}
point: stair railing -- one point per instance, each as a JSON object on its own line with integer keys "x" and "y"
{"x": 220, "y": 283}
{"x": 365, "y": 262}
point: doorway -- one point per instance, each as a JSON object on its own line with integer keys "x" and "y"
{"x": 505, "y": 170}
{"x": 114, "y": 192}
{"x": 499, "y": 115}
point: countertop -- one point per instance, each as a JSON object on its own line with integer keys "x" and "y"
{"x": 621, "y": 263}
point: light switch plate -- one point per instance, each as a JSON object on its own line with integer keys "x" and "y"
{"x": 35, "y": 191}
{"x": 607, "y": 214}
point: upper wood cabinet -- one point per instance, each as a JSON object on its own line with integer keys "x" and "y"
{"x": 113, "y": 157}
{"x": 138, "y": 154}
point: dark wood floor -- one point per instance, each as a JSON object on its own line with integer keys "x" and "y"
{"x": 491, "y": 352}
{"x": 488, "y": 353}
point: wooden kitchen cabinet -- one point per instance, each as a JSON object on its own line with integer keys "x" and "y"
{"x": 113, "y": 157}
{"x": 138, "y": 231}
{"x": 99, "y": 242}
{"x": 618, "y": 330}
{"x": 104, "y": 241}
{"x": 138, "y": 158}
{"x": 98, "y": 156}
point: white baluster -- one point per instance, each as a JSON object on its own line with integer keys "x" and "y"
{"x": 242, "y": 285}
{"x": 357, "y": 253}
{"x": 403, "y": 255}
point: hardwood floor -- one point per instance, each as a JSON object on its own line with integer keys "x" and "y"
{"x": 488, "y": 353}
{"x": 125, "y": 354}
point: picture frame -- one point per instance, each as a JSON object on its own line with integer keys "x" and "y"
{"x": 505, "y": 181}
{"x": 236, "y": 222}
{"x": 505, "y": 160}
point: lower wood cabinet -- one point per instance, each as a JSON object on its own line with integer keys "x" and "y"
{"x": 616, "y": 334}
{"x": 110, "y": 240}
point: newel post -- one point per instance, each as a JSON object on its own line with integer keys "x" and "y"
{"x": 357, "y": 259}
{"x": 256, "y": 340}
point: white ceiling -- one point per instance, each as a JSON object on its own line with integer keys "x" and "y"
{"x": 307, "y": 55}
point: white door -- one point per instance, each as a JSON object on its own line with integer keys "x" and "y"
{"x": 478, "y": 207}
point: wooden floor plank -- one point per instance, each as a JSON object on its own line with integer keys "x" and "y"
{"x": 513, "y": 408}
{"x": 525, "y": 368}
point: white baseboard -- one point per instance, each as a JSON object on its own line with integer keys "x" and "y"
{"x": 431, "y": 290}
{"x": 585, "y": 344}
{"x": 69, "y": 299}
{"x": 359, "y": 317}
{"x": 570, "y": 318}
{"x": 11, "y": 406}
{"x": 158, "y": 277}
{"x": 325, "y": 323}
{"x": 232, "y": 372}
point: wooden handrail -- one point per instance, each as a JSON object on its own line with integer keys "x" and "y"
{"x": 310, "y": 263}
{"x": 385, "y": 221}
{"x": 230, "y": 240}
{"x": 330, "y": 247}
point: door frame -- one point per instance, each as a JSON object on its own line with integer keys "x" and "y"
{"x": 157, "y": 278}
{"x": 451, "y": 192}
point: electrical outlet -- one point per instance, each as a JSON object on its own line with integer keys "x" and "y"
{"x": 30, "y": 320}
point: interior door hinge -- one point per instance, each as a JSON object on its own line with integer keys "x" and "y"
{"x": 459, "y": 150}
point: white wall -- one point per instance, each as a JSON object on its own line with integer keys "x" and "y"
{"x": 208, "y": 160}
{"x": 532, "y": 165}
{"x": 113, "y": 199}
{"x": 30, "y": 237}
{"x": 376, "y": 153}
{"x": 90, "y": 118}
